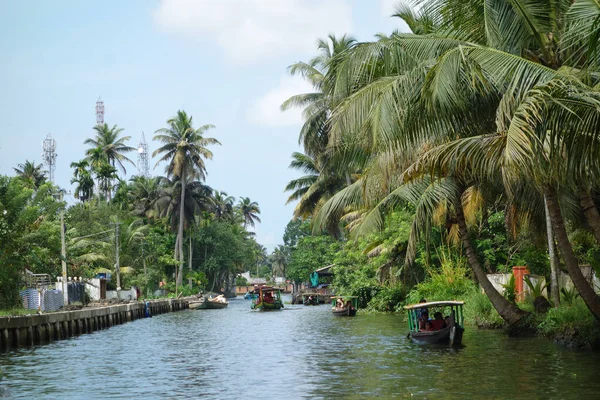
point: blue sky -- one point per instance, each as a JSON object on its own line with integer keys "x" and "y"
{"x": 223, "y": 61}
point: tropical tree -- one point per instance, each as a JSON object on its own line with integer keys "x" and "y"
{"x": 223, "y": 208}
{"x": 83, "y": 178}
{"x": 249, "y": 211}
{"x": 32, "y": 175}
{"x": 184, "y": 148}
{"x": 111, "y": 145}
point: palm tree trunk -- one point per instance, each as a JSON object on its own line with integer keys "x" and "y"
{"x": 592, "y": 300}
{"x": 190, "y": 261}
{"x": 507, "y": 310}
{"x": 554, "y": 289}
{"x": 590, "y": 211}
{"x": 181, "y": 218}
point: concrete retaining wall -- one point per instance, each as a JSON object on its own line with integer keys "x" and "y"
{"x": 41, "y": 329}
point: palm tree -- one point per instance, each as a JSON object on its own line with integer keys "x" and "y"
{"x": 249, "y": 210}
{"x": 184, "y": 148}
{"x": 83, "y": 177}
{"x": 279, "y": 260}
{"x": 32, "y": 175}
{"x": 108, "y": 141}
{"x": 223, "y": 205}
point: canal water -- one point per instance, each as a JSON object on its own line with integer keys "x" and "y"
{"x": 297, "y": 353}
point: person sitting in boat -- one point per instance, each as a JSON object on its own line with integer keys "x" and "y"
{"x": 423, "y": 319}
{"x": 438, "y": 321}
{"x": 429, "y": 327}
{"x": 339, "y": 303}
{"x": 268, "y": 297}
{"x": 349, "y": 305}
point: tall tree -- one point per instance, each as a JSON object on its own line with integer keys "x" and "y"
{"x": 32, "y": 175}
{"x": 249, "y": 210}
{"x": 184, "y": 148}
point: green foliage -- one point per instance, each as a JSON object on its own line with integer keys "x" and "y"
{"x": 311, "y": 253}
{"x": 568, "y": 296}
{"x": 479, "y": 310}
{"x": 535, "y": 290}
{"x": 571, "y": 317}
{"x": 295, "y": 230}
{"x": 510, "y": 290}
{"x": 241, "y": 281}
{"x": 388, "y": 299}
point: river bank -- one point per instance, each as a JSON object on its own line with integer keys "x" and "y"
{"x": 36, "y": 329}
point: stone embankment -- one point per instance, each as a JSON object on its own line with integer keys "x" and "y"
{"x": 29, "y": 330}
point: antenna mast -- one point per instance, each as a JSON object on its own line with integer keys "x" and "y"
{"x": 49, "y": 156}
{"x": 142, "y": 164}
{"x": 99, "y": 112}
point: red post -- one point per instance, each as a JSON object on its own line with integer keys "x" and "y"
{"x": 519, "y": 273}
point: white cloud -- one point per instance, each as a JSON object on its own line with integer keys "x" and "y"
{"x": 252, "y": 30}
{"x": 266, "y": 109}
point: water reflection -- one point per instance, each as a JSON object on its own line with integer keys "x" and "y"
{"x": 297, "y": 353}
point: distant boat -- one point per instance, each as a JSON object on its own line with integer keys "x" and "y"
{"x": 344, "y": 306}
{"x": 451, "y": 333}
{"x": 250, "y": 295}
{"x": 310, "y": 299}
{"x": 268, "y": 299}
{"x": 207, "y": 303}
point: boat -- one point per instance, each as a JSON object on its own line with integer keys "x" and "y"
{"x": 344, "y": 306}
{"x": 268, "y": 299}
{"x": 209, "y": 303}
{"x": 250, "y": 295}
{"x": 454, "y": 327}
{"x": 310, "y": 299}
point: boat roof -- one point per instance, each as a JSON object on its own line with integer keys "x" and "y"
{"x": 268, "y": 289}
{"x": 345, "y": 297}
{"x": 434, "y": 304}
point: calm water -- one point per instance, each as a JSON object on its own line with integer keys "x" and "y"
{"x": 298, "y": 353}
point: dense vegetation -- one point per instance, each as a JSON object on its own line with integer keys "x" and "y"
{"x": 140, "y": 218}
{"x": 471, "y": 142}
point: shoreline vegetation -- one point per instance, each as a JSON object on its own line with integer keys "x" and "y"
{"x": 429, "y": 160}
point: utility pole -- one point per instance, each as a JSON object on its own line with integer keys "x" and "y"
{"x": 117, "y": 270}
{"x": 63, "y": 253}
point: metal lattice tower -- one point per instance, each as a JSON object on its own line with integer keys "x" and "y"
{"x": 49, "y": 156}
{"x": 142, "y": 164}
{"x": 99, "y": 112}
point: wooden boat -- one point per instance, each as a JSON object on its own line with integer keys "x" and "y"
{"x": 250, "y": 295}
{"x": 268, "y": 299}
{"x": 310, "y": 299}
{"x": 208, "y": 303}
{"x": 452, "y": 332}
{"x": 344, "y": 306}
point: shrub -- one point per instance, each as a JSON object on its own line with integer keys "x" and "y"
{"x": 575, "y": 316}
{"x": 387, "y": 299}
{"x": 479, "y": 311}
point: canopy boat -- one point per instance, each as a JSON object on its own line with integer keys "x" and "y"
{"x": 450, "y": 330}
{"x": 209, "y": 303}
{"x": 268, "y": 299}
{"x": 250, "y": 295}
{"x": 344, "y": 306}
{"x": 310, "y": 299}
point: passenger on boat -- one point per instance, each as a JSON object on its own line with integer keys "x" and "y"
{"x": 429, "y": 327}
{"x": 349, "y": 305}
{"x": 268, "y": 297}
{"x": 438, "y": 322}
{"x": 423, "y": 319}
{"x": 422, "y": 310}
{"x": 447, "y": 320}
{"x": 339, "y": 303}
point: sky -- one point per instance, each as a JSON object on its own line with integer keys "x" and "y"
{"x": 222, "y": 61}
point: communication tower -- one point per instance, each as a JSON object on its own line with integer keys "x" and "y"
{"x": 142, "y": 164}
{"x": 99, "y": 112}
{"x": 49, "y": 156}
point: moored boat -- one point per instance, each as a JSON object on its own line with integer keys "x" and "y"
{"x": 344, "y": 306}
{"x": 421, "y": 329}
{"x": 310, "y": 299}
{"x": 250, "y": 295}
{"x": 268, "y": 299}
{"x": 209, "y": 303}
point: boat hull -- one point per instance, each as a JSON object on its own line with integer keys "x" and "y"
{"x": 451, "y": 335}
{"x": 207, "y": 305}
{"x": 263, "y": 306}
{"x": 344, "y": 312}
